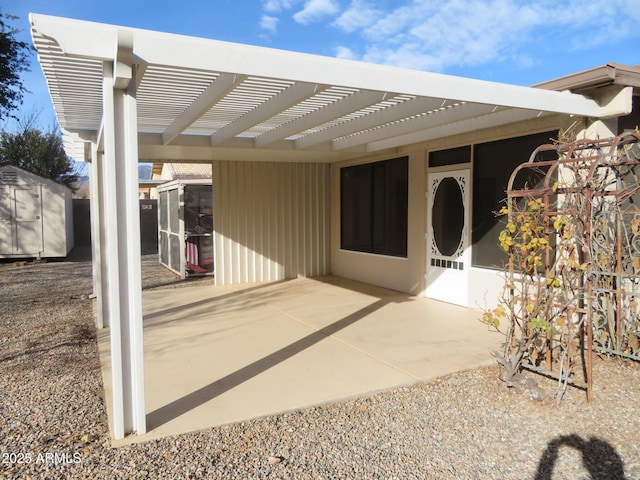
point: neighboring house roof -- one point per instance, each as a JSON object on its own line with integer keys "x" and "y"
{"x": 172, "y": 171}
{"x": 240, "y": 102}
{"x": 150, "y": 183}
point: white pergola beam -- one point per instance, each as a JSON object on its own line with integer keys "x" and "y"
{"x": 381, "y": 117}
{"x": 496, "y": 119}
{"x": 285, "y": 99}
{"x": 123, "y": 59}
{"x": 449, "y": 114}
{"x": 339, "y": 108}
{"x": 212, "y": 94}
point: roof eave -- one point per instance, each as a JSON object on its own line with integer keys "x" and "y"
{"x": 609, "y": 74}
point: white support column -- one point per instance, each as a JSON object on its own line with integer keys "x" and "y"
{"x": 103, "y": 226}
{"x": 95, "y": 189}
{"x": 121, "y": 229}
{"x": 130, "y": 257}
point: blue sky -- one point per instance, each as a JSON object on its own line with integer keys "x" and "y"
{"x": 511, "y": 41}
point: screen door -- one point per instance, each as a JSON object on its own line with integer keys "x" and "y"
{"x": 448, "y": 236}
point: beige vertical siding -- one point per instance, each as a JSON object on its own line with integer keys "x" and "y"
{"x": 271, "y": 221}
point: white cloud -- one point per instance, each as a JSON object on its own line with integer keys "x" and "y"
{"x": 472, "y": 32}
{"x": 271, "y": 8}
{"x": 269, "y": 23}
{"x": 614, "y": 21}
{"x": 360, "y": 14}
{"x": 346, "y": 53}
{"x": 408, "y": 55}
{"x": 432, "y": 35}
{"x": 275, "y": 6}
{"x": 314, "y": 10}
{"x": 397, "y": 21}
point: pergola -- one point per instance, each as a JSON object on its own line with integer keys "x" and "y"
{"x": 124, "y": 95}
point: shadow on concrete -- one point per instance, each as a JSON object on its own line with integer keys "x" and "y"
{"x": 598, "y": 457}
{"x": 194, "y": 399}
{"x": 258, "y": 294}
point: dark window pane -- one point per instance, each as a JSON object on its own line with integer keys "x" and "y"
{"x": 452, "y": 156}
{"x": 373, "y": 208}
{"x": 493, "y": 164}
{"x": 356, "y": 209}
{"x": 390, "y": 207}
{"x": 632, "y": 121}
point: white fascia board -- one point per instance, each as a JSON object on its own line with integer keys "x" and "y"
{"x": 78, "y": 37}
{"x": 95, "y": 40}
{"x": 195, "y": 53}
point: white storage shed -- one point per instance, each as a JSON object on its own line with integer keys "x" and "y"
{"x": 36, "y": 215}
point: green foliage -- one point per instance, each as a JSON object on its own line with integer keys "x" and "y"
{"x": 38, "y": 152}
{"x": 14, "y": 59}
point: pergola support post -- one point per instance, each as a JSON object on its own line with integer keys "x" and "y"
{"x": 120, "y": 230}
{"x": 96, "y": 241}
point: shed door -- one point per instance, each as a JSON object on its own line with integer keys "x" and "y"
{"x": 28, "y": 220}
{"x": 6, "y": 230}
{"x": 448, "y": 236}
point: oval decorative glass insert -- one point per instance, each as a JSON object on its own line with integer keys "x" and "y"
{"x": 447, "y": 216}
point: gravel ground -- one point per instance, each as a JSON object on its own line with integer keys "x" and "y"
{"x": 467, "y": 425}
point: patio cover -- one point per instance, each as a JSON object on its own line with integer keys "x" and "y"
{"x": 125, "y": 95}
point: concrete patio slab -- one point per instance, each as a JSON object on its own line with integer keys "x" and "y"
{"x": 219, "y": 355}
